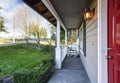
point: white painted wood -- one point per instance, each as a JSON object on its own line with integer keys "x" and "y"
{"x": 102, "y": 41}
{"x": 90, "y": 27}
{"x": 63, "y": 53}
{"x": 90, "y": 61}
{"x": 58, "y": 58}
{"x": 58, "y": 34}
{"x": 65, "y": 37}
{"x": 50, "y": 7}
{"x": 58, "y": 49}
{"x": 78, "y": 41}
{"x": 73, "y": 50}
{"x": 91, "y": 22}
{"x": 92, "y": 38}
{"x": 92, "y": 32}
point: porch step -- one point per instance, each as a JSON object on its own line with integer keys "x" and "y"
{"x": 72, "y": 72}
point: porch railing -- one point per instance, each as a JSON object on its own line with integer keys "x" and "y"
{"x": 73, "y": 50}
{"x": 63, "y": 53}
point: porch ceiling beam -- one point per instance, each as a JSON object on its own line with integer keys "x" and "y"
{"x": 50, "y": 17}
{"x": 36, "y": 3}
{"x": 50, "y": 7}
{"x": 55, "y": 23}
{"x": 31, "y": 4}
{"x": 53, "y": 20}
{"x": 45, "y": 11}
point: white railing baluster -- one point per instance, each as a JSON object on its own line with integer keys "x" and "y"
{"x": 63, "y": 52}
{"x": 73, "y": 50}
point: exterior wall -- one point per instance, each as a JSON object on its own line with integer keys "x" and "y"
{"x": 90, "y": 61}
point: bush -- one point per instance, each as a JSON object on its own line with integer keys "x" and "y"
{"x": 48, "y": 48}
{"x": 22, "y": 76}
{"x": 38, "y": 74}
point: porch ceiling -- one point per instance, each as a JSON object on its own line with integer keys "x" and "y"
{"x": 70, "y": 11}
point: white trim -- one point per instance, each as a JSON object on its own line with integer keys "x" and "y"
{"x": 58, "y": 34}
{"x": 58, "y": 49}
{"x": 63, "y": 53}
{"x": 102, "y": 41}
{"x": 66, "y": 38}
{"x": 81, "y": 52}
{"x": 50, "y": 7}
{"x": 58, "y": 58}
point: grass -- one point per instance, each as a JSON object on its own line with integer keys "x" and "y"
{"x": 17, "y": 57}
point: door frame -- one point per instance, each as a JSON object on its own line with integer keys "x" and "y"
{"x": 102, "y": 41}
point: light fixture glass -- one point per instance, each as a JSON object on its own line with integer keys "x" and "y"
{"x": 88, "y": 14}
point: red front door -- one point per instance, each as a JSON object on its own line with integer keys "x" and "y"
{"x": 114, "y": 41}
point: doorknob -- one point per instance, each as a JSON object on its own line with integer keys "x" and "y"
{"x": 108, "y": 57}
{"x": 109, "y": 49}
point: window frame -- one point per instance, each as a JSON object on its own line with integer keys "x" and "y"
{"x": 82, "y": 35}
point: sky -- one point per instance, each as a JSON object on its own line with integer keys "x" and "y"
{"x": 9, "y": 8}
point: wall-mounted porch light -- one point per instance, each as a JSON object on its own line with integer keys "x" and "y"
{"x": 88, "y": 14}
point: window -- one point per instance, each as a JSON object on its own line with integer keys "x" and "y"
{"x": 83, "y": 38}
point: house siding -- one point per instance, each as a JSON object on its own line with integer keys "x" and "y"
{"x": 90, "y": 61}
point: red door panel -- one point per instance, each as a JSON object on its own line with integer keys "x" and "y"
{"x": 117, "y": 44}
{"x": 114, "y": 41}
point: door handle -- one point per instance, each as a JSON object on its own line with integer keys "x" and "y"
{"x": 109, "y": 49}
{"x": 108, "y": 57}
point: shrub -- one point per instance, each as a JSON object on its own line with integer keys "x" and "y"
{"x": 38, "y": 74}
{"x": 22, "y": 76}
{"x": 48, "y": 48}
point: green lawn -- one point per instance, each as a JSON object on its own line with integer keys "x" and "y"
{"x": 17, "y": 57}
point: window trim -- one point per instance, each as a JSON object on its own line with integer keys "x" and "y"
{"x": 83, "y": 49}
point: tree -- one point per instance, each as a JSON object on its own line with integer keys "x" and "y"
{"x": 28, "y": 22}
{"x": 2, "y": 28}
{"x": 53, "y": 36}
{"x": 72, "y": 37}
{"x": 43, "y": 33}
{"x": 22, "y": 18}
{"x": 62, "y": 36}
{"x": 37, "y": 31}
{"x": 1, "y": 24}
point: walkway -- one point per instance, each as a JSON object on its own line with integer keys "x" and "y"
{"x": 72, "y": 72}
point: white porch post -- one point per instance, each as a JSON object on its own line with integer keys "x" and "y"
{"x": 65, "y": 37}
{"x": 58, "y": 49}
{"x": 78, "y": 41}
{"x": 102, "y": 41}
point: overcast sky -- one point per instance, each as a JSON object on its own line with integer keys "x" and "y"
{"x": 9, "y": 7}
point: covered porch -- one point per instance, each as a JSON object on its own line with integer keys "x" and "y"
{"x": 91, "y": 46}
{"x": 65, "y": 14}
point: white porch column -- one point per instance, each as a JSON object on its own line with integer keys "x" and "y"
{"x": 78, "y": 41}
{"x": 102, "y": 41}
{"x": 65, "y": 37}
{"x": 58, "y": 49}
